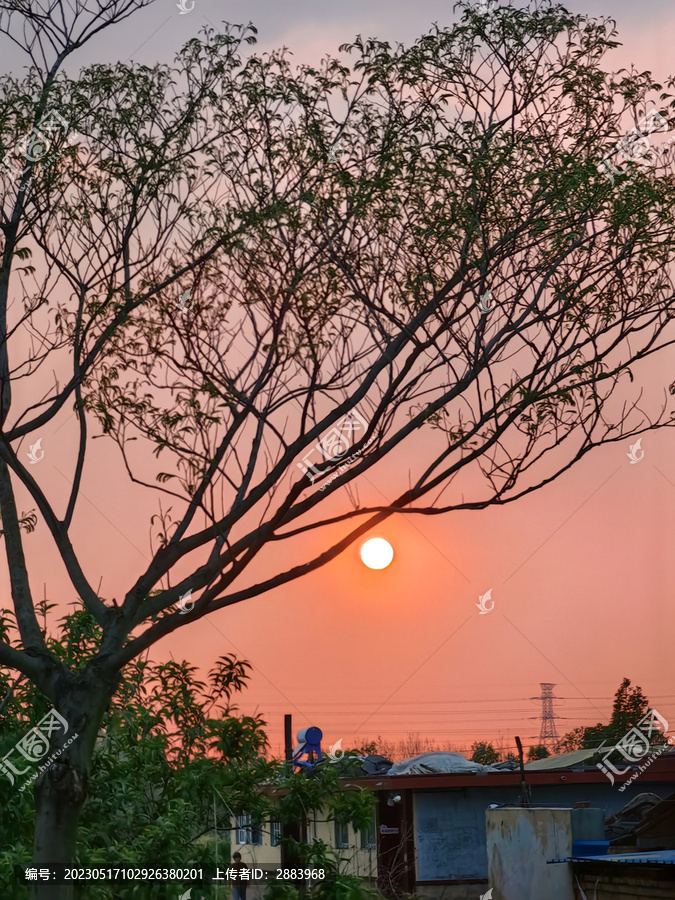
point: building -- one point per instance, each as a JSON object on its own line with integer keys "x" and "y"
{"x": 428, "y": 835}
{"x": 639, "y": 864}
{"x": 260, "y": 846}
{"x": 431, "y": 829}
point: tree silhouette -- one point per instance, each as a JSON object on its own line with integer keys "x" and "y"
{"x": 328, "y": 310}
{"x": 629, "y": 706}
{"x": 538, "y": 751}
{"x": 484, "y": 753}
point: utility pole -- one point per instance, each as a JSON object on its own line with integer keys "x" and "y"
{"x": 291, "y": 833}
{"x": 525, "y": 796}
{"x": 288, "y": 737}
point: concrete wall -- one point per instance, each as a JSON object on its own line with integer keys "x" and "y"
{"x": 444, "y": 855}
{"x": 519, "y": 841}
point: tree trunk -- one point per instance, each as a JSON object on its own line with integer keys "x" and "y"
{"x": 61, "y": 789}
{"x": 57, "y": 813}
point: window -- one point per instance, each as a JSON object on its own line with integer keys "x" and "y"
{"x": 341, "y": 835}
{"x": 243, "y": 829}
{"x": 275, "y": 833}
{"x": 247, "y": 833}
{"x": 368, "y": 838}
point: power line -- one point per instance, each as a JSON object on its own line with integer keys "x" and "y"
{"x": 352, "y": 703}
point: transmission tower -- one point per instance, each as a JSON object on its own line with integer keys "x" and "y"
{"x": 548, "y": 736}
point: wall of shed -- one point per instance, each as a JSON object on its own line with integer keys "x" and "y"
{"x": 450, "y": 830}
{"x": 450, "y": 841}
{"x": 519, "y": 841}
{"x": 650, "y": 885}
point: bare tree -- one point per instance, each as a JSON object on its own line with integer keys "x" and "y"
{"x": 321, "y": 289}
{"x": 413, "y": 744}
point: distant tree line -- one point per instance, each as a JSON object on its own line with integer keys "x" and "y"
{"x": 630, "y": 705}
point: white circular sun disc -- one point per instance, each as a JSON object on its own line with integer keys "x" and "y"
{"x": 377, "y": 553}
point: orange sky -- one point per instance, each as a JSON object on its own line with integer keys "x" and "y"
{"x": 581, "y": 572}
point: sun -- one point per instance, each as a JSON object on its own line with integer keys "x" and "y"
{"x": 377, "y": 553}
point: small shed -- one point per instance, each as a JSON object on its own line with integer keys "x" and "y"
{"x": 639, "y": 865}
{"x": 631, "y": 876}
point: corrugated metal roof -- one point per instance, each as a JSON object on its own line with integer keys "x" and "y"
{"x": 656, "y": 857}
{"x": 561, "y": 761}
{"x": 662, "y": 771}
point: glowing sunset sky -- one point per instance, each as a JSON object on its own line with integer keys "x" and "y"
{"x": 581, "y": 572}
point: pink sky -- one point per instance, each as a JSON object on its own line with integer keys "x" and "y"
{"x": 581, "y": 572}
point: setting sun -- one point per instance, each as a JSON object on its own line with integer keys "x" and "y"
{"x": 377, "y": 553}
